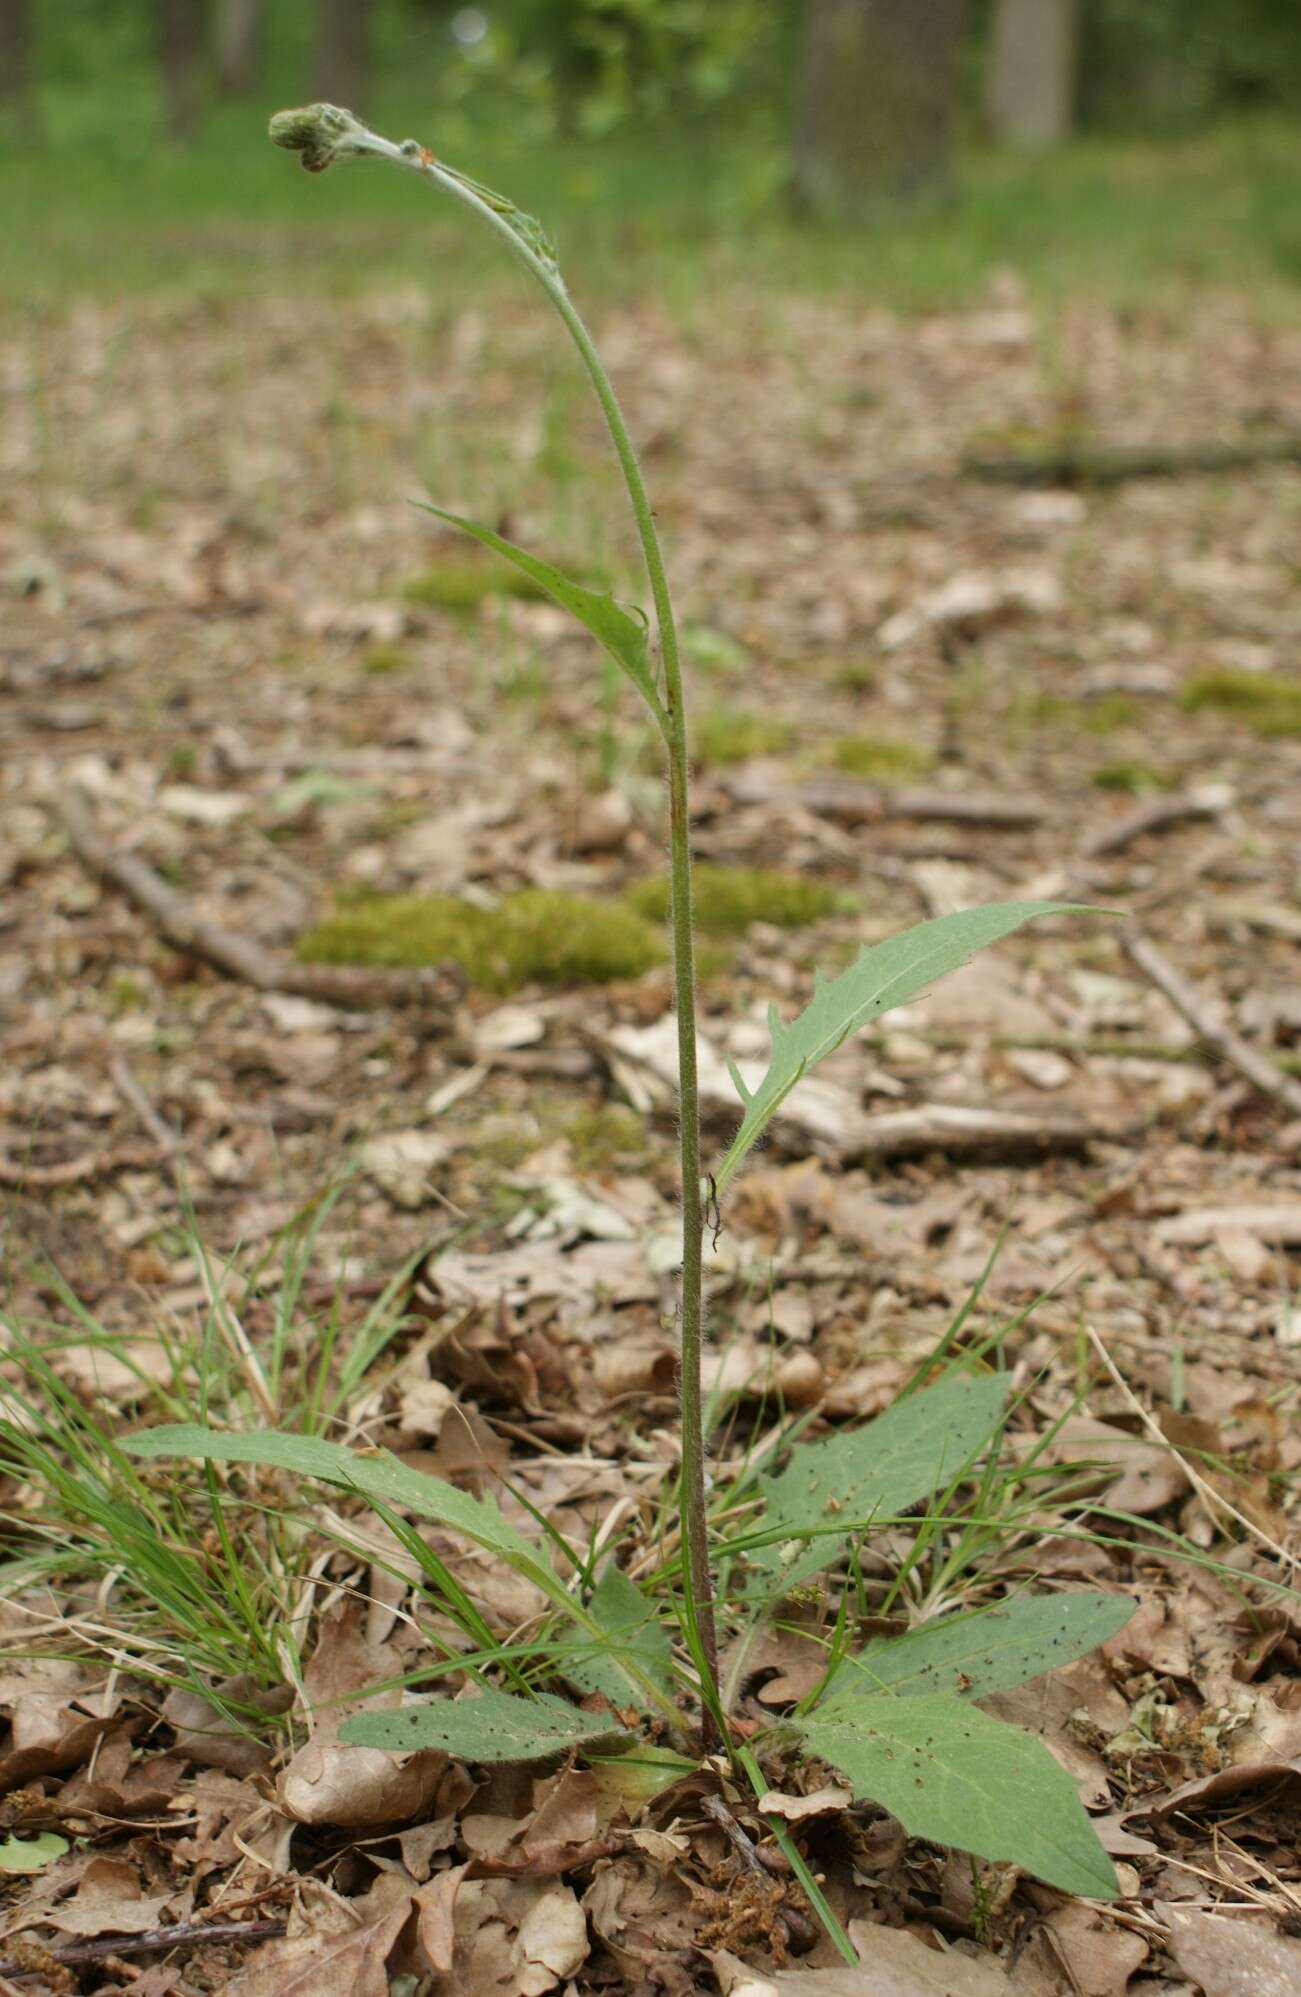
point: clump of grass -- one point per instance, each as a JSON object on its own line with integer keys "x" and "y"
{"x": 1134, "y": 778}
{"x": 461, "y": 585}
{"x": 881, "y": 760}
{"x": 855, "y": 676}
{"x": 381, "y": 660}
{"x": 1267, "y": 703}
{"x": 729, "y": 899}
{"x": 733, "y": 735}
{"x": 533, "y": 937}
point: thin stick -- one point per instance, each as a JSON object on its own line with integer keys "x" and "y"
{"x": 1215, "y": 1032}
{"x": 235, "y": 956}
{"x": 187, "y": 1934}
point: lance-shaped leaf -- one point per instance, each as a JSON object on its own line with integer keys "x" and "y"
{"x": 624, "y": 636}
{"x": 884, "y": 975}
{"x": 636, "y": 1649}
{"x": 876, "y": 1471}
{"x": 497, "y": 1726}
{"x": 994, "y": 1650}
{"x": 377, "y": 1476}
{"x": 952, "y": 1774}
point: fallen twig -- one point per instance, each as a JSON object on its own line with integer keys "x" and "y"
{"x": 235, "y": 956}
{"x": 1178, "y": 808}
{"x": 863, "y": 804}
{"x": 1089, "y": 1047}
{"x": 1258, "y": 1069}
{"x": 1103, "y": 465}
{"x": 79, "y": 1171}
{"x": 134, "y": 1096}
{"x": 187, "y": 1934}
{"x": 903, "y": 1133}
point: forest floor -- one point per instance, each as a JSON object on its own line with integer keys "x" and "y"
{"x": 247, "y": 661}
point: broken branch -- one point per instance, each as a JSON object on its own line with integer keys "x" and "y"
{"x": 235, "y": 956}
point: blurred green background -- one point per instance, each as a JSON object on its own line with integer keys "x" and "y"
{"x": 905, "y": 148}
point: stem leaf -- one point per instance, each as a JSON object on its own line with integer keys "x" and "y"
{"x": 624, "y": 636}
{"x": 953, "y": 1775}
{"x": 884, "y": 975}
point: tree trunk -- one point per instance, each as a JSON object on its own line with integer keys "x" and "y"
{"x": 878, "y": 97}
{"x": 182, "y": 27}
{"x": 1030, "y": 90}
{"x": 17, "y": 89}
{"x": 239, "y": 45}
{"x": 341, "y": 73}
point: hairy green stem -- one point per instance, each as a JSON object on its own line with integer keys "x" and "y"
{"x": 322, "y": 133}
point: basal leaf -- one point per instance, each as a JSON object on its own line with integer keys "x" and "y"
{"x": 951, "y": 1774}
{"x": 624, "y": 637}
{"x": 496, "y": 1726}
{"x": 375, "y": 1475}
{"x": 994, "y": 1650}
{"x": 638, "y": 1645}
{"x": 31, "y": 1854}
{"x": 884, "y": 975}
{"x": 875, "y": 1471}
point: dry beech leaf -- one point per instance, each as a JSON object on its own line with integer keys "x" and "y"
{"x": 1232, "y": 1958}
{"x": 207, "y": 1735}
{"x": 47, "y": 1734}
{"x": 355, "y": 1788}
{"x": 358, "y": 1788}
{"x": 348, "y": 1965}
{"x": 436, "y": 1918}
{"x": 109, "y": 1901}
{"x": 893, "y": 1963}
{"x": 1149, "y": 1476}
{"x": 1098, "y": 1956}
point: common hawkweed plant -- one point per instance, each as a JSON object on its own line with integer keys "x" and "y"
{"x": 898, "y": 1719}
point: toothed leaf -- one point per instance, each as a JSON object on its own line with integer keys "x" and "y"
{"x": 885, "y": 975}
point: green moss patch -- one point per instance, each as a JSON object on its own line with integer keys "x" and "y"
{"x": 383, "y": 659}
{"x": 600, "y": 1138}
{"x": 881, "y": 761}
{"x": 729, "y": 899}
{"x": 1102, "y": 717}
{"x": 528, "y": 938}
{"x": 733, "y": 735}
{"x": 1267, "y": 703}
{"x": 1134, "y": 778}
{"x": 463, "y": 585}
